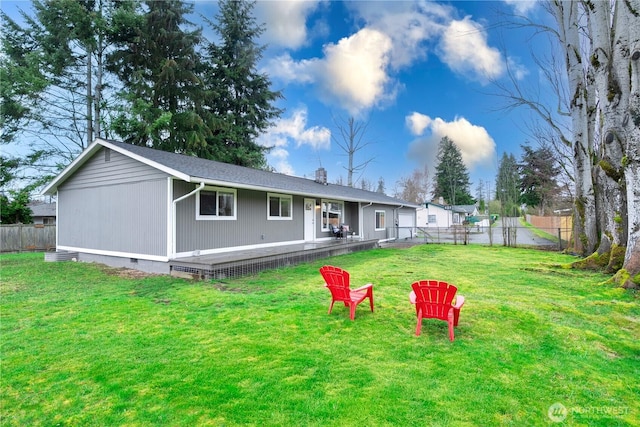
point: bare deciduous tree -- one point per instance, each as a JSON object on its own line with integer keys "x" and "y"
{"x": 351, "y": 140}
{"x": 416, "y": 187}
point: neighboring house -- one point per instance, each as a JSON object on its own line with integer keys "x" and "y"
{"x": 139, "y": 204}
{"x": 462, "y": 212}
{"x": 43, "y": 213}
{"x": 434, "y": 215}
{"x": 439, "y": 215}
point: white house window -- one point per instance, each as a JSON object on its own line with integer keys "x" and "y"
{"x": 216, "y": 204}
{"x": 380, "y": 224}
{"x": 279, "y": 206}
{"x": 331, "y": 214}
{"x": 432, "y": 219}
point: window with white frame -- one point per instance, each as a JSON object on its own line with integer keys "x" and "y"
{"x": 279, "y": 206}
{"x": 216, "y": 204}
{"x": 380, "y": 223}
{"x": 332, "y": 214}
{"x": 432, "y": 219}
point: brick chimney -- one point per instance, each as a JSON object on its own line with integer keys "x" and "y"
{"x": 321, "y": 176}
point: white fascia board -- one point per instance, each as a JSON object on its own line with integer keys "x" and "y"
{"x": 218, "y": 183}
{"x": 146, "y": 161}
{"x": 52, "y": 187}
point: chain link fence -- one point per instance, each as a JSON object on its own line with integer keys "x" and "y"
{"x": 552, "y": 238}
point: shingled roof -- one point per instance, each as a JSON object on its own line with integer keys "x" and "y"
{"x": 197, "y": 170}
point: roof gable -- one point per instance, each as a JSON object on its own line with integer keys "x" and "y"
{"x": 197, "y": 170}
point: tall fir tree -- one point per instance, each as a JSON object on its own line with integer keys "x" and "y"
{"x": 241, "y": 103}
{"x": 508, "y": 185}
{"x": 451, "y": 178}
{"x": 158, "y": 64}
{"x": 538, "y": 171}
{"x": 52, "y": 66}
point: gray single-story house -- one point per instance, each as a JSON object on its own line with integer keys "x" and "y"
{"x": 43, "y": 213}
{"x": 131, "y": 204}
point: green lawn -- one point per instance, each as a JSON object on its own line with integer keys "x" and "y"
{"x": 85, "y": 345}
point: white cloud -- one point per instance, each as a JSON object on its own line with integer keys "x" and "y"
{"x": 465, "y": 50}
{"x": 408, "y": 24}
{"x": 475, "y": 144}
{"x": 285, "y": 21}
{"x": 356, "y": 70}
{"x": 279, "y": 159}
{"x": 285, "y": 68}
{"x": 357, "y": 73}
{"x": 417, "y": 122}
{"x": 352, "y": 73}
{"x": 522, "y": 6}
{"x": 293, "y": 130}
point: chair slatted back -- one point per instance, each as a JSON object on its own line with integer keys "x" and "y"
{"x": 337, "y": 280}
{"x": 433, "y": 298}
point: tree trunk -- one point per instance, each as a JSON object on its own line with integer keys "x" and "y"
{"x": 89, "y": 101}
{"x": 629, "y": 276}
{"x": 607, "y": 27}
{"x": 585, "y": 223}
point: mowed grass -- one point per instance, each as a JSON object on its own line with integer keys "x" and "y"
{"x": 82, "y": 344}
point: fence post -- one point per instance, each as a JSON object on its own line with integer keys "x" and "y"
{"x": 560, "y": 238}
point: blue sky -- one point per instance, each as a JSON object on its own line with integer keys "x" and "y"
{"x": 415, "y": 71}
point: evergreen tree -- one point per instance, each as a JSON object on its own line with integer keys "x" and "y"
{"x": 52, "y": 65}
{"x": 240, "y": 100}
{"x": 380, "y": 189}
{"x": 508, "y": 185}
{"x": 480, "y": 197}
{"x": 158, "y": 65}
{"x": 452, "y": 178}
{"x": 538, "y": 172}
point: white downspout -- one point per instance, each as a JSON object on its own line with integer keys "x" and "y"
{"x": 396, "y": 220}
{"x": 174, "y": 226}
{"x": 361, "y": 226}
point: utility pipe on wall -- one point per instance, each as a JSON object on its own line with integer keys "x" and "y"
{"x": 173, "y": 217}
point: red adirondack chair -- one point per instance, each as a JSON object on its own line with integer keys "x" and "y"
{"x": 433, "y": 300}
{"x": 337, "y": 281}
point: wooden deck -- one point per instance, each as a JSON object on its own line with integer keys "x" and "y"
{"x": 241, "y": 263}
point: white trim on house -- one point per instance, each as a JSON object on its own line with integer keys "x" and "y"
{"x": 328, "y": 202}
{"x": 235, "y": 249}
{"x": 217, "y": 217}
{"x": 171, "y": 214}
{"x": 146, "y": 161}
{"x": 114, "y": 253}
{"x": 384, "y": 220}
{"x": 281, "y": 197}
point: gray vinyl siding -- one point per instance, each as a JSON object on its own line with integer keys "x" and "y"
{"x": 369, "y": 221}
{"x": 119, "y": 169}
{"x": 115, "y": 206}
{"x": 251, "y": 226}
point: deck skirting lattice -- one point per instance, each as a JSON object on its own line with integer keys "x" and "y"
{"x": 249, "y": 266}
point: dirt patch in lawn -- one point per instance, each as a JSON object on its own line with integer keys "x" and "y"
{"x": 127, "y": 273}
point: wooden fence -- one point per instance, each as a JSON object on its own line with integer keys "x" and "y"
{"x": 27, "y": 237}
{"x": 562, "y": 223}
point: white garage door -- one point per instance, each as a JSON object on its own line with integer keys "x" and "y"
{"x": 406, "y": 222}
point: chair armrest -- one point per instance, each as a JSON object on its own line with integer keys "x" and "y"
{"x": 459, "y": 302}
{"x": 362, "y": 288}
{"x": 412, "y": 297}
